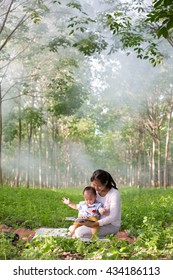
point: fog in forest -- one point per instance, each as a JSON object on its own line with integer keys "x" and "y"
{"x": 114, "y": 80}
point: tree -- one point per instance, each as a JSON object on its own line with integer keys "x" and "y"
{"x": 12, "y": 26}
{"x": 17, "y": 17}
{"x": 60, "y": 132}
{"x": 162, "y": 16}
{"x": 64, "y": 93}
{"x": 143, "y": 31}
{"x": 135, "y": 25}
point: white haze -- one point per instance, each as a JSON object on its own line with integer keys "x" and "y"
{"x": 113, "y": 78}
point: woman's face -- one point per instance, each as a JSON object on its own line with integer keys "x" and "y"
{"x": 99, "y": 187}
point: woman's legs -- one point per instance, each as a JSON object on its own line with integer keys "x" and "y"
{"x": 108, "y": 229}
{"x": 86, "y": 232}
{"x": 83, "y": 231}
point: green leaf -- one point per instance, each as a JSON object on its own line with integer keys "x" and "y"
{"x": 157, "y": 3}
{"x": 162, "y": 32}
{"x": 170, "y": 24}
{"x": 71, "y": 32}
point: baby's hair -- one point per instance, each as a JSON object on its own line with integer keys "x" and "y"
{"x": 90, "y": 189}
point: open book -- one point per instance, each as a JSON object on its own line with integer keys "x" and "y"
{"x": 82, "y": 220}
{"x": 78, "y": 220}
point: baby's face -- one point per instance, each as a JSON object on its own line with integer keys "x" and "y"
{"x": 89, "y": 198}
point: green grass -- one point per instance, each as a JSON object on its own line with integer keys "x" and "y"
{"x": 146, "y": 213}
{"x": 35, "y": 208}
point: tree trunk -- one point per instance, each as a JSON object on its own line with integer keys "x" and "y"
{"x": 159, "y": 161}
{"x": 145, "y": 170}
{"x": 29, "y": 155}
{"x": 40, "y": 159}
{"x": 149, "y": 168}
{"x": 139, "y": 169}
{"x": 55, "y": 166}
{"x": 34, "y": 164}
{"x": 153, "y": 161}
{"x": 1, "y": 180}
{"x": 19, "y": 145}
{"x": 47, "y": 158}
{"x": 131, "y": 170}
{"x": 52, "y": 152}
{"x": 167, "y": 150}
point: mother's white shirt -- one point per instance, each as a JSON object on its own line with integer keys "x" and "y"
{"x": 111, "y": 201}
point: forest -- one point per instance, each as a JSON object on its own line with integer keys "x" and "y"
{"x": 86, "y": 85}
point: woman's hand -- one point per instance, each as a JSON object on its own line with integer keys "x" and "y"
{"x": 104, "y": 211}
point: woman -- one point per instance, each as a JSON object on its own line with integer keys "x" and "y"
{"x": 108, "y": 195}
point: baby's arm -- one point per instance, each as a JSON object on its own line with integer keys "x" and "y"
{"x": 69, "y": 203}
{"x": 80, "y": 216}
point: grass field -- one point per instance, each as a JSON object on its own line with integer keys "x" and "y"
{"x": 146, "y": 213}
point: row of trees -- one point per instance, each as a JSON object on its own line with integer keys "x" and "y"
{"x": 56, "y": 125}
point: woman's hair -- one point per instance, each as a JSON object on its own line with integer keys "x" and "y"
{"x": 90, "y": 189}
{"x": 104, "y": 177}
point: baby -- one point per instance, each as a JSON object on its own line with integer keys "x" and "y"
{"x": 90, "y": 209}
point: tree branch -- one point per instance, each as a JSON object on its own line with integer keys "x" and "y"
{"x": 6, "y": 16}
{"x": 24, "y": 18}
{"x": 13, "y": 58}
{"x": 170, "y": 41}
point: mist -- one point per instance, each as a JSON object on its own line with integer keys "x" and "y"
{"x": 115, "y": 83}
